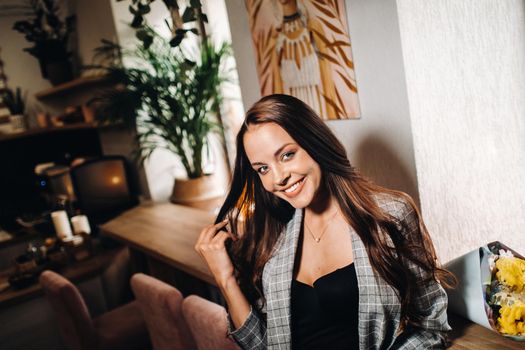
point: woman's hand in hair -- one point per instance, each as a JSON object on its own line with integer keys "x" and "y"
{"x": 211, "y": 246}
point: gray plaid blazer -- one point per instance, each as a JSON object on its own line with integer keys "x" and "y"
{"x": 379, "y": 307}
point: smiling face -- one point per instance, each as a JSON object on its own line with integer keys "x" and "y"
{"x": 285, "y": 169}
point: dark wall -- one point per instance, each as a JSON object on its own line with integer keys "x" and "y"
{"x": 19, "y": 191}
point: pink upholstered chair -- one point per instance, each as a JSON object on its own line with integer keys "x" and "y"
{"x": 208, "y": 324}
{"x": 120, "y": 328}
{"x": 161, "y": 306}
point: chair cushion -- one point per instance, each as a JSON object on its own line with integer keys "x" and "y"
{"x": 161, "y": 306}
{"x": 122, "y": 328}
{"x": 73, "y": 317}
{"x": 208, "y": 324}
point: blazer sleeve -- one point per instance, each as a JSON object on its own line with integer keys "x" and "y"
{"x": 252, "y": 334}
{"x": 431, "y": 334}
{"x": 431, "y": 301}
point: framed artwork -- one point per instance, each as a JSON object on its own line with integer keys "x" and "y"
{"x": 303, "y": 49}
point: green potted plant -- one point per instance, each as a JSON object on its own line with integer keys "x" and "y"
{"x": 49, "y": 35}
{"x": 179, "y": 23}
{"x": 171, "y": 96}
{"x": 15, "y": 103}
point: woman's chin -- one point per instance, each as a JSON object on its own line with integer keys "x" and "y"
{"x": 299, "y": 202}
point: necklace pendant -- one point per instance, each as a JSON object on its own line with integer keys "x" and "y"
{"x": 317, "y": 240}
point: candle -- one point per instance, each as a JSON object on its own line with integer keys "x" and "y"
{"x": 61, "y": 224}
{"x": 80, "y": 224}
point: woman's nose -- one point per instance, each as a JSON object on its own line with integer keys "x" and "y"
{"x": 281, "y": 177}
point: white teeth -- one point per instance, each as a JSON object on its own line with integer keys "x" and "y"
{"x": 293, "y": 187}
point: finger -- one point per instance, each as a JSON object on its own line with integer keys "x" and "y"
{"x": 233, "y": 236}
{"x": 202, "y": 235}
{"x": 220, "y": 239}
{"x": 214, "y": 229}
{"x": 218, "y": 242}
{"x": 209, "y": 232}
{"x": 221, "y": 224}
{"x": 205, "y": 235}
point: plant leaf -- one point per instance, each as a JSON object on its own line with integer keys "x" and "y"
{"x": 188, "y": 15}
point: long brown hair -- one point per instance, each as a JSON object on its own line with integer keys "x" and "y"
{"x": 258, "y": 217}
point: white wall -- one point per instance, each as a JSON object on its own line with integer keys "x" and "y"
{"x": 22, "y": 69}
{"x": 465, "y": 71}
{"x": 232, "y": 109}
{"x": 94, "y": 22}
{"x": 380, "y": 143}
{"x": 243, "y": 51}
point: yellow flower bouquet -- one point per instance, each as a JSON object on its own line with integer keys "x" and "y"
{"x": 491, "y": 289}
{"x": 505, "y": 295}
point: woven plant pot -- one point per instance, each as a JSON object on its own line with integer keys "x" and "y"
{"x": 206, "y": 192}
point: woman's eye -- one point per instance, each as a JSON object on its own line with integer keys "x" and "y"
{"x": 287, "y": 155}
{"x": 262, "y": 170}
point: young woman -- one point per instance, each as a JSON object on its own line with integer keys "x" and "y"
{"x": 310, "y": 255}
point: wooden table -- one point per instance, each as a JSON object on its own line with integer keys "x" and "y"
{"x": 168, "y": 232}
{"x": 466, "y": 335}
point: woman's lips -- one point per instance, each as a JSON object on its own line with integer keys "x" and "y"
{"x": 294, "y": 190}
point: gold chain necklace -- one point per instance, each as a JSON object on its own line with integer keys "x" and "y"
{"x": 318, "y": 239}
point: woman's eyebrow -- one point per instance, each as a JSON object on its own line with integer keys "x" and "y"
{"x": 276, "y": 153}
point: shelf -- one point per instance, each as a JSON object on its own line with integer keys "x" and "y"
{"x": 66, "y": 127}
{"x": 76, "y": 84}
{"x": 37, "y": 131}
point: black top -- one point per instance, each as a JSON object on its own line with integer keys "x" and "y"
{"x": 325, "y": 316}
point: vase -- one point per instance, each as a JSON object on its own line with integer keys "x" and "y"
{"x": 18, "y": 122}
{"x": 205, "y": 192}
{"x": 54, "y": 61}
{"x": 59, "y": 72}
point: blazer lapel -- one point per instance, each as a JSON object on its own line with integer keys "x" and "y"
{"x": 366, "y": 284}
{"x": 378, "y": 302}
{"x": 280, "y": 274}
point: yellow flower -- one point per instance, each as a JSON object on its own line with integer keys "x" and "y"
{"x": 511, "y": 272}
{"x": 512, "y": 319}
